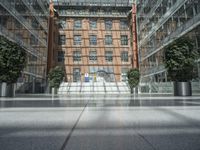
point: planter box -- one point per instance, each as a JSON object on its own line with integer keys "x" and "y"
{"x": 182, "y": 89}
{"x": 7, "y": 90}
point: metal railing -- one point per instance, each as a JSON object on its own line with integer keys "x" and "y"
{"x": 83, "y": 14}
{"x": 150, "y": 14}
{"x": 32, "y": 10}
{"x": 123, "y": 3}
{"x": 16, "y": 39}
{"x": 189, "y": 25}
{"x": 46, "y": 12}
{"x": 154, "y": 70}
{"x": 156, "y": 87}
{"x": 163, "y": 19}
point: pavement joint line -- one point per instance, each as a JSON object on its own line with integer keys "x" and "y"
{"x": 73, "y": 128}
{"x": 147, "y": 141}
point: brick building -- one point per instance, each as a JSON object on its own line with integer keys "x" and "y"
{"x": 92, "y": 39}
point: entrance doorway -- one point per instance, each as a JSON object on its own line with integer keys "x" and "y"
{"x": 76, "y": 74}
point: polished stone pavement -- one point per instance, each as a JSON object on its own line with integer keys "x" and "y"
{"x": 100, "y": 122}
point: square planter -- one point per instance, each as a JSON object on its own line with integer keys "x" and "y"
{"x": 182, "y": 89}
{"x": 7, "y": 90}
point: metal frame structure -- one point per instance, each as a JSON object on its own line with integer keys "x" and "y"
{"x": 17, "y": 24}
{"x": 159, "y": 24}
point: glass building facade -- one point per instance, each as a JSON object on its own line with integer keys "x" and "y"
{"x": 26, "y": 23}
{"x": 160, "y": 22}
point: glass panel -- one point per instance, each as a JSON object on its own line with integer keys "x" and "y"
{"x": 93, "y": 40}
{"x": 123, "y": 24}
{"x": 61, "y": 56}
{"x": 93, "y": 24}
{"x": 76, "y": 74}
{"x": 109, "y": 56}
{"x": 108, "y": 24}
{"x": 62, "y": 23}
{"x": 124, "y": 40}
{"x": 108, "y": 40}
{"x": 77, "y": 39}
{"x": 124, "y": 56}
{"x": 61, "y": 40}
{"x": 33, "y": 40}
{"x": 93, "y": 56}
{"x": 77, "y": 56}
{"x": 77, "y": 24}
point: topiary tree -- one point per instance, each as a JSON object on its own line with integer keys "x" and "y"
{"x": 133, "y": 76}
{"x": 12, "y": 60}
{"x": 180, "y": 58}
{"x": 55, "y": 76}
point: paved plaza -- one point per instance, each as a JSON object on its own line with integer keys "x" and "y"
{"x": 100, "y": 122}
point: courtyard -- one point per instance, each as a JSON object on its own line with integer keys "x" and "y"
{"x": 100, "y": 122}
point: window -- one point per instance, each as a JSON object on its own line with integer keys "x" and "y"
{"x": 124, "y": 74}
{"x": 108, "y": 24}
{"x": 123, "y": 24}
{"x": 77, "y": 24}
{"x": 93, "y": 56}
{"x": 62, "y": 23}
{"x": 93, "y": 40}
{"x": 124, "y": 40}
{"x": 77, "y": 56}
{"x": 61, "y": 40}
{"x": 19, "y": 36}
{"x": 108, "y": 40}
{"x": 61, "y": 56}
{"x": 124, "y": 56}
{"x": 93, "y": 24}
{"x": 109, "y": 56}
{"x": 17, "y": 24}
{"x": 76, "y": 74}
{"x": 33, "y": 40}
{"x": 3, "y": 20}
{"x": 32, "y": 58}
{"x": 34, "y": 23}
{"x": 77, "y": 39}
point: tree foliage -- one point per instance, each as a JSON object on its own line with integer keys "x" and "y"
{"x": 180, "y": 59}
{"x": 12, "y": 60}
{"x": 133, "y": 76}
{"x": 55, "y": 76}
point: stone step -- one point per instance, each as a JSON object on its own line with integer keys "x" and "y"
{"x": 96, "y": 87}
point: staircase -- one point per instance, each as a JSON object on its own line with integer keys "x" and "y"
{"x": 93, "y": 88}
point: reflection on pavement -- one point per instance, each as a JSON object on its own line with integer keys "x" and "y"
{"x": 97, "y": 101}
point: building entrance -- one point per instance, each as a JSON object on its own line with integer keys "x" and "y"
{"x": 76, "y": 75}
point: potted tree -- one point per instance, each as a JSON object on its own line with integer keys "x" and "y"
{"x": 180, "y": 63}
{"x": 12, "y": 62}
{"x": 55, "y": 77}
{"x": 133, "y": 76}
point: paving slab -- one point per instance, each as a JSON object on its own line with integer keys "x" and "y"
{"x": 102, "y": 122}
